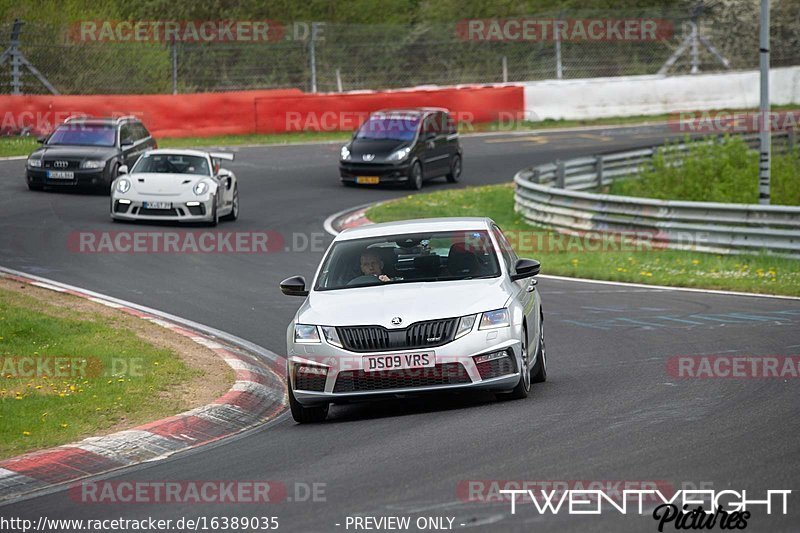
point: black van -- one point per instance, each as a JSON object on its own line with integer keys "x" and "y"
{"x": 405, "y": 146}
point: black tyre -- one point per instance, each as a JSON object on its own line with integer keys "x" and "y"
{"x": 455, "y": 169}
{"x": 234, "y": 214}
{"x": 415, "y": 177}
{"x": 539, "y": 370}
{"x": 306, "y": 414}
{"x": 524, "y": 386}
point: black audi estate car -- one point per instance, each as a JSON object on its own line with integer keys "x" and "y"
{"x": 405, "y": 146}
{"x": 87, "y": 152}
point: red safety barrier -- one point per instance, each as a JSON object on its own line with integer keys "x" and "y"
{"x": 237, "y": 113}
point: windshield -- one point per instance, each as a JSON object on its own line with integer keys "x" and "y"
{"x": 172, "y": 164}
{"x": 84, "y": 135}
{"x": 430, "y": 257}
{"x": 396, "y": 128}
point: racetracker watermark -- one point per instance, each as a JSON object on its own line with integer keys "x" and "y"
{"x": 734, "y": 121}
{"x": 497, "y": 490}
{"x": 734, "y": 366}
{"x": 565, "y": 30}
{"x": 44, "y": 366}
{"x": 187, "y": 31}
{"x": 17, "y": 122}
{"x": 525, "y": 241}
{"x": 194, "y": 242}
{"x": 196, "y": 492}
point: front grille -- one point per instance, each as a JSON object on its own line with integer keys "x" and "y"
{"x": 197, "y": 210}
{"x": 158, "y": 212}
{"x": 360, "y": 381}
{"x": 496, "y": 368}
{"x": 309, "y": 382}
{"x": 71, "y": 164}
{"x": 377, "y": 338}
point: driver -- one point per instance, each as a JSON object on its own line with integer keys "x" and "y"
{"x": 371, "y": 267}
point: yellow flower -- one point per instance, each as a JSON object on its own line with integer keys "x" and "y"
{"x": 26, "y": 433}
{"x": 695, "y": 261}
{"x": 64, "y": 425}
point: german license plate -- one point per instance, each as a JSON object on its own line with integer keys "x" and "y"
{"x": 60, "y": 175}
{"x": 368, "y": 180}
{"x": 376, "y": 363}
{"x": 157, "y": 205}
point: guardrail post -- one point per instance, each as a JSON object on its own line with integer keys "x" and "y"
{"x": 560, "y": 174}
{"x": 791, "y": 140}
{"x": 599, "y": 168}
{"x": 535, "y": 176}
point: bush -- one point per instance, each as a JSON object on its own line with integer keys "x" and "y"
{"x": 714, "y": 172}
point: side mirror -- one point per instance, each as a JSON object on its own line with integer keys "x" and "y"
{"x": 428, "y": 136}
{"x": 123, "y": 170}
{"x": 126, "y": 142}
{"x": 525, "y": 268}
{"x": 42, "y": 139}
{"x": 294, "y": 286}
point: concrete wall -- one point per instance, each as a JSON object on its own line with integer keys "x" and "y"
{"x": 651, "y": 95}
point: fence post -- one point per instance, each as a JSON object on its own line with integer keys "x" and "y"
{"x": 560, "y": 174}
{"x": 339, "y": 79}
{"x": 16, "y": 72}
{"x": 599, "y": 168}
{"x": 505, "y": 69}
{"x": 312, "y": 56}
{"x": 791, "y": 140}
{"x": 174, "y": 67}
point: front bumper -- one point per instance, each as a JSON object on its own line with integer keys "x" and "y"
{"x": 131, "y": 207}
{"x": 82, "y": 178}
{"x": 386, "y": 172}
{"x": 460, "y": 372}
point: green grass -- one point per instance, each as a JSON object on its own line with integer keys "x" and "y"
{"x": 45, "y": 409}
{"x": 747, "y": 273}
{"x": 18, "y": 146}
{"x": 715, "y": 172}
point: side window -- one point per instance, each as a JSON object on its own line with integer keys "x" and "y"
{"x": 449, "y": 124}
{"x": 141, "y": 132}
{"x": 126, "y": 134}
{"x": 428, "y": 125}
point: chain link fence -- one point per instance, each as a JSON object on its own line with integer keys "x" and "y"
{"x": 362, "y": 57}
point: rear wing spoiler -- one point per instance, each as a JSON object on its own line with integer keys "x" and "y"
{"x": 221, "y": 155}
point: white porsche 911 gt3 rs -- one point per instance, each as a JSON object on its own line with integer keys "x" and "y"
{"x": 177, "y": 186}
{"x": 415, "y": 306}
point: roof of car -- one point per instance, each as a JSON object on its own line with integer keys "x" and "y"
{"x": 422, "y": 225}
{"x": 104, "y": 121}
{"x": 418, "y": 111}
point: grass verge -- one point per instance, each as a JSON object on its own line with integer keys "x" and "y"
{"x": 714, "y": 172}
{"x": 563, "y": 256}
{"x": 70, "y": 369}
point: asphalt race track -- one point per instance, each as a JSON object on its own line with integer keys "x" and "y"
{"x": 609, "y": 411}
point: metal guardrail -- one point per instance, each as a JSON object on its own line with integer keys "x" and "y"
{"x": 555, "y": 195}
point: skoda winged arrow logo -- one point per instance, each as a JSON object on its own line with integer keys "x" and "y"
{"x": 396, "y": 321}
{"x": 368, "y": 157}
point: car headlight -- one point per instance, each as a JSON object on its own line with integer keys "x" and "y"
{"x": 89, "y": 163}
{"x": 306, "y": 334}
{"x": 123, "y": 185}
{"x": 200, "y": 188}
{"x": 36, "y": 163}
{"x": 331, "y": 336}
{"x": 494, "y": 319}
{"x": 465, "y": 324}
{"x": 345, "y": 153}
{"x": 400, "y": 154}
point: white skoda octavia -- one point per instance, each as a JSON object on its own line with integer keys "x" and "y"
{"x": 412, "y": 307}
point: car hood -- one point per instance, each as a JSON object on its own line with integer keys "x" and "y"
{"x": 86, "y": 152}
{"x": 164, "y": 184}
{"x": 381, "y": 149}
{"x": 412, "y": 302}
